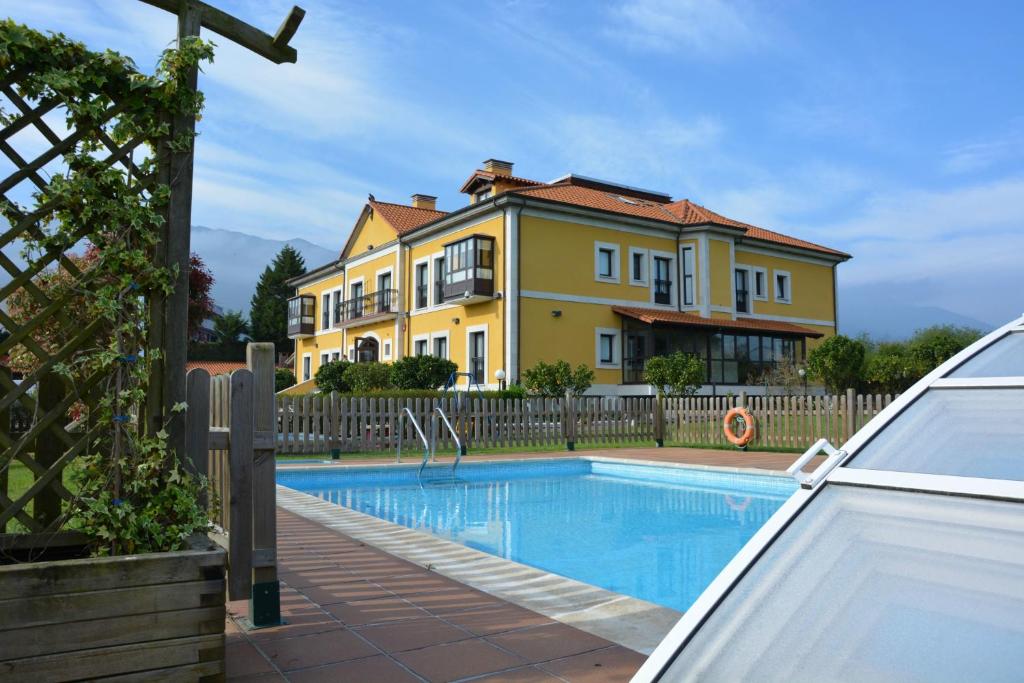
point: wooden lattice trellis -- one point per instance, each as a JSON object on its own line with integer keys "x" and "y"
{"x": 49, "y": 335}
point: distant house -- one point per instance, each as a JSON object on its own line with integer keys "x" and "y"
{"x": 579, "y": 269}
{"x": 205, "y": 333}
{"x": 215, "y": 367}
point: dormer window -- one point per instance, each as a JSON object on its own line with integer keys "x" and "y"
{"x": 483, "y": 194}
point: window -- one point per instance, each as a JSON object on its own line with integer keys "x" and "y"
{"x": 325, "y": 312}
{"x": 606, "y": 262}
{"x": 742, "y": 293}
{"x": 469, "y": 267}
{"x": 441, "y": 347}
{"x": 324, "y": 359}
{"x": 783, "y": 287}
{"x": 356, "y": 304}
{"x": 421, "y": 285}
{"x": 384, "y": 293}
{"x": 387, "y": 349}
{"x": 335, "y": 356}
{"x": 419, "y": 347}
{"x": 687, "y": 256}
{"x": 478, "y": 356}
{"x": 662, "y": 280}
{"x": 483, "y": 194}
{"x": 607, "y": 351}
{"x": 760, "y": 284}
{"x": 740, "y": 359}
{"x": 637, "y": 266}
{"x": 307, "y": 361}
{"x": 438, "y": 280}
{"x": 336, "y": 305}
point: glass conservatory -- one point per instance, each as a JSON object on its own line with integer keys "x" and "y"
{"x": 900, "y": 558}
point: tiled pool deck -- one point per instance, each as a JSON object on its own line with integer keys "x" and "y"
{"x": 356, "y": 613}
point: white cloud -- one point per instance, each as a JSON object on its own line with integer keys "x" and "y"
{"x": 976, "y": 156}
{"x": 706, "y": 27}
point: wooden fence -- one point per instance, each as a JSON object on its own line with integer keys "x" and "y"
{"x": 319, "y": 424}
{"x": 234, "y": 446}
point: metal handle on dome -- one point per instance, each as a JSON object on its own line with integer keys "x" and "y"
{"x": 809, "y": 480}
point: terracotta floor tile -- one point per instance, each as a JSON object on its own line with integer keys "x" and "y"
{"x": 526, "y": 674}
{"x": 544, "y": 643}
{"x": 454, "y": 600}
{"x": 497, "y": 619}
{"x": 612, "y": 664}
{"x": 374, "y": 568}
{"x": 315, "y": 650}
{"x": 412, "y": 635}
{"x": 453, "y": 661}
{"x": 298, "y": 622}
{"x": 425, "y": 582}
{"x": 329, "y": 594}
{"x": 316, "y": 577}
{"x": 243, "y": 659}
{"x": 271, "y": 677}
{"x": 378, "y": 669}
{"x": 365, "y": 612}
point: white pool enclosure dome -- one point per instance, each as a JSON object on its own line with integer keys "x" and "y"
{"x": 901, "y": 558}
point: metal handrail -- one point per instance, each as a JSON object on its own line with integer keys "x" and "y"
{"x": 458, "y": 444}
{"x": 401, "y": 433}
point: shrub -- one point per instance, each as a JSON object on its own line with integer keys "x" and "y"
{"x": 934, "y": 345}
{"x": 890, "y": 368}
{"x": 361, "y": 377}
{"x": 512, "y": 391}
{"x": 283, "y": 378}
{"x": 838, "y": 362}
{"x": 681, "y": 374}
{"x": 557, "y": 379}
{"x": 331, "y": 377}
{"x": 421, "y": 372}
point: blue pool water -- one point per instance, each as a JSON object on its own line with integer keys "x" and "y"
{"x": 656, "y": 533}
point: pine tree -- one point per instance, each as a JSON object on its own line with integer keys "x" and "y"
{"x": 268, "y": 309}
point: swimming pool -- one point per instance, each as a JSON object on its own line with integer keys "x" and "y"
{"x": 655, "y": 533}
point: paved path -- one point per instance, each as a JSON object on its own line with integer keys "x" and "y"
{"x": 356, "y": 613}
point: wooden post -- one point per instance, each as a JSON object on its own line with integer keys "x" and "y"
{"x": 851, "y": 415}
{"x": 178, "y": 231}
{"x": 240, "y": 463}
{"x": 570, "y": 422}
{"x": 197, "y": 439}
{"x": 5, "y": 429}
{"x": 46, "y": 504}
{"x": 265, "y": 604}
{"x": 659, "y": 421}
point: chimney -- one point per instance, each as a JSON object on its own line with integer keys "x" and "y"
{"x": 498, "y": 167}
{"x": 424, "y": 201}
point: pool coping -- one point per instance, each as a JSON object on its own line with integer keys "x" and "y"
{"x": 633, "y": 623}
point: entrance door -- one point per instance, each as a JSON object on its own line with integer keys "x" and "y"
{"x": 367, "y": 350}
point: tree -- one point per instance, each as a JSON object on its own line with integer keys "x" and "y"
{"x": 890, "y": 368}
{"x": 932, "y": 346}
{"x": 679, "y": 374}
{"x": 268, "y": 308}
{"x": 557, "y": 379}
{"x": 363, "y": 377}
{"x": 331, "y": 377}
{"x": 200, "y": 303}
{"x": 229, "y": 328}
{"x": 838, "y": 362}
{"x": 421, "y": 372}
{"x": 283, "y": 378}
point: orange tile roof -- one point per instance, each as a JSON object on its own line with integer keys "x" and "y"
{"x": 651, "y": 315}
{"x": 404, "y": 218}
{"x": 215, "y": 367}
{"x": 481, "y": 174}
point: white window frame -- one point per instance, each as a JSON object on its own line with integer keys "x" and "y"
{"x": 469, "y": 350}
{"x": 352, "y": 354}
{"x": 433, "y": 275}
{"x": 616, "y": 262}
{"x": 672, "y": 297}
{"x": 425, "y": 338}
{"x": 616, "y": 335}
{"x": 337, "y": 298}
{"x": 428, "y": 260}
{"x": 325, "y": 358}
{"x": 385, "y": 349}
{"x": 750, "y": 288}
{"x": 688, "y": 268}
{"x": 447, "y": 341}
{"x": 754, "y": 270}
{"x": 307, "y": 367}
{"x": 789, "y": 286}
{"x": 326, "y": 294}
{"x": 390, "y": 270}
{"x": 646, "y": 261}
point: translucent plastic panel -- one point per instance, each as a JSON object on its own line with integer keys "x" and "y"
{"x": 1004, "y": 358}
{"x": 964, "y": 432}
{"x": 874, "y": 585}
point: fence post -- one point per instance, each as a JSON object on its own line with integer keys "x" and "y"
{"x": 659, "y": 421}
{"x": 197, "y": 425}
{"x": 240, "y": 490}
{"x": 46, "y": 504}
{"x": 569, "y": 422}
{"x": 5, "y": 430}
{"x": 851, "y": 416}
{"x": 265, "y": 603}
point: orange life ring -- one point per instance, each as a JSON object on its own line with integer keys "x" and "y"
{"x": 748, "y": 434}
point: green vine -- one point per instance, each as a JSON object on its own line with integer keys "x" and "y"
{"x": 132, "y": 495}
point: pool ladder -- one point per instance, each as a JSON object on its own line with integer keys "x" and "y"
{"x": 429, "y": 449}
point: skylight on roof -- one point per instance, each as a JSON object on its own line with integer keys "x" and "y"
{"x": 624, "y": 200}
{"x": 901, "y": 559}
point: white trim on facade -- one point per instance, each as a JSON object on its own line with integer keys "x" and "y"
{"x": 704, "y": 269}
{"x": 645, "y": 275}
{"x": 765, "y": 251}
{"x": 578, "y": 299}
{"x": 789, "y": 319}
{"x": 616, "y": 335}
{"x": 511, "y": 294}
{"x": 616, "y": 262}
{"x": 433, "y": 234}
{"x": 446, "y": 335}
{"x": 788, "y": 299}
{"x": 416, "y": 339}
{"x": 368, "y": 256}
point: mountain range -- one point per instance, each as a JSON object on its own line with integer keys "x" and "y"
{"x": 237, "y": 259}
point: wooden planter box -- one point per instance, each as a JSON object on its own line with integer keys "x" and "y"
{"x": 158, "y": 616}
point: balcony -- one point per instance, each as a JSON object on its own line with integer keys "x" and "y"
{"x": 663, "y": 292}
{"x": 469, "y": 270}
{"x": 301, "y": 316}
{"x": 366, "y": 309}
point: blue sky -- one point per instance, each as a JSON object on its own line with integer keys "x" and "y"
{"x": 894, "y": 131}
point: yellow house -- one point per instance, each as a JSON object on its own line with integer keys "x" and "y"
{"x": 576, "y": 269}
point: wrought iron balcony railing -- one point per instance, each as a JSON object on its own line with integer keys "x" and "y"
{"x": 369, "y": 305}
